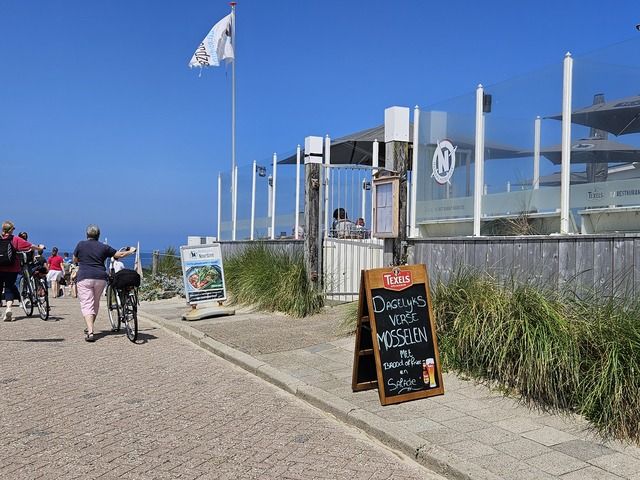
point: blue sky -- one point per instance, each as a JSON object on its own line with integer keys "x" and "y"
{"x": 101, "y": 120}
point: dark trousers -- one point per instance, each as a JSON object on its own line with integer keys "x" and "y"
{"x": 8, "y": 284}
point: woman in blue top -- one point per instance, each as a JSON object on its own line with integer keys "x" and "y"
{"x": 90, "y": 255}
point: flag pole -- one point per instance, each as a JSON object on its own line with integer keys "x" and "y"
{"x": 233, "y": 110}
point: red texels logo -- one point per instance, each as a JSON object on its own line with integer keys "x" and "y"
{"x": 397, "y": 279}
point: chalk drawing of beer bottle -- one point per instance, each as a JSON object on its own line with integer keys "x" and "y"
{"x": 425, "y": 372}
{"x": 431, "y": 368}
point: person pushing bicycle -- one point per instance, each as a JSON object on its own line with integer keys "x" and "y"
{"x": 10, "y": 266}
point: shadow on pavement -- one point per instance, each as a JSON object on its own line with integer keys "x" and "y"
{"x": 142, "y": 336}
{"x": 35, "y": 340}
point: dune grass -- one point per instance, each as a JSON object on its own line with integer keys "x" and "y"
{"x": 272, "y": 280}
{"x": 565, "y": 351}
{"x": 557, "y": 349}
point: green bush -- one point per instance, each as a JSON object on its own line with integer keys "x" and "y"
{"x": 516, "y": 336}
{"x": 561, "y": 350}
{"x": 272, "y": 280}
{"x": 555, "y": 349}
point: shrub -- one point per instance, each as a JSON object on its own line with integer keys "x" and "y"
{"x": 162, "y": 286}
{"x": 272, "y": 280}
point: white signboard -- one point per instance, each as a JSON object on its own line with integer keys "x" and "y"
{"x": 202, "y": 273}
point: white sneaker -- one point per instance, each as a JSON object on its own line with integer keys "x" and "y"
{"x": 7, "y": 316}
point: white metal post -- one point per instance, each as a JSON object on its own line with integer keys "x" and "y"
{"x": 479, "y": 163}
{"x": 363, "y": 199}
{"x": 273, "y": 200}
{"x": 219, "y": 203}
{"x": 327, "y": 162}
{"x": 269, "y": 203}
{"x": 536, "y": 154}
{"x": 297, "y": 224}
{"x": 413, "y": 203}
{"x": 375, "y": 158}
{"x": 253, "y": 199}
{"x": 234, "y": 221}
{"x": 565, "y": 169}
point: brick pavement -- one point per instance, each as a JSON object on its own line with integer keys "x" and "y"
{"x": 470, "y": 432}
{"x": 162, "y": 409}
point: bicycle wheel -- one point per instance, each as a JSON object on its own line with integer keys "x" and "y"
{"x": 131, "y": 317}
{"x": 42, "y": 298}
{"x": 26, "y": 297}
{"x": 112, "y": 307}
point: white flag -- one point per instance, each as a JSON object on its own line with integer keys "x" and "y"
{"x": 216, "y": 45}
{"x": 137, "y": 266}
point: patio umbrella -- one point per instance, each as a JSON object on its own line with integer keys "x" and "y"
{"x": 593, "y": 150}
{"x": 356, "y": 148}
{"x": 619, "y": 117}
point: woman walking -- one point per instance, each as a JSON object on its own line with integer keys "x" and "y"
{"x": 55, "y": 273}
{"x": 90, "y": 255}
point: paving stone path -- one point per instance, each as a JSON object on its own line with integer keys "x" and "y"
{"x": 160, "y": 409}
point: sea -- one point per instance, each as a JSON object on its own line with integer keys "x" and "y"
{"x": 145, "y": 257}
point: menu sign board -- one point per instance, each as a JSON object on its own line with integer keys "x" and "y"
{"x": 399, "y": 316}
{"x": 202, "y": 273}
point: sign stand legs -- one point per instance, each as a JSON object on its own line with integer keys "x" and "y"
{"x": 196, "y": 313}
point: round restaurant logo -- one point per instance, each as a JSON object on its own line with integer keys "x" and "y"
{"x": 444, "y": 162}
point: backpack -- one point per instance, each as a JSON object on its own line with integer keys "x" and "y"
{"x": 7, "y": 254}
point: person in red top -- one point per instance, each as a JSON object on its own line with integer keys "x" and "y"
{"x": 9, "y": 273}
{"x": 54, "y": 264}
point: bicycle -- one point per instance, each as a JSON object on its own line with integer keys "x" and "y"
{"x": 122, "y": 302}
{"x": 33, "y": 289}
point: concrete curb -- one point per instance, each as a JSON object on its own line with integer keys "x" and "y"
{"x": 423, "y": 452}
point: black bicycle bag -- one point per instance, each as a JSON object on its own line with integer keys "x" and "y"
{"x": 126, "y": 278}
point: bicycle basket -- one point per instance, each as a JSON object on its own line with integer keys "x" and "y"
{"x": 126, "y": 278}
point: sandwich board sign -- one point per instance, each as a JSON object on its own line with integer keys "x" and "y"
{"x": 396, "y": 346}
{"x": 202, "y": 273}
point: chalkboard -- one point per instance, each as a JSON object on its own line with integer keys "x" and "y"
{"x": 400, "y": 318}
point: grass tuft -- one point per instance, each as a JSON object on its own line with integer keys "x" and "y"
{"x": 272, "y": 280}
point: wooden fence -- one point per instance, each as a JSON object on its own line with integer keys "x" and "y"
{"x": 608, "y": 264}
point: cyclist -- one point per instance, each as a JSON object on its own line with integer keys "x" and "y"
{"x": 10, "y": 264}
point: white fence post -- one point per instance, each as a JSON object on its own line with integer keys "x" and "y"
{"x": 273, "y": 200}
{"x": 536, "y": 154}
{"x": 363, "y": 199}
{"x": 375, "y": 159}
{"x": 253, "y": 199}
{"x": 565, "y": 170}
{"x": 327, "y": 162}
{"x": 269, "y": 203}
{"x": 219, "y": 203}
{"x": 413, "y": 203}
{"x": 234, "y": 220}
{"x": 479, "y": 165}
{"x": 297, "y": 221}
